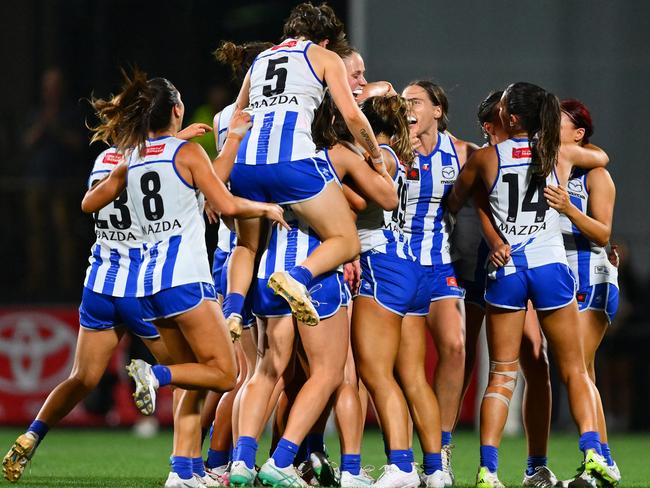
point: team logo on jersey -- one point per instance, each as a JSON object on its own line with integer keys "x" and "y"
{"x": 451, "y": 281}
{"x": 425, "y": 167}
{"x": 155, "y": 150}
{"x": 36, "y": 352}
{"x": 581, "y": 297}
{"x": 413, "y": 174}
{"x": 601, "y": 269}
{"x": 285, "y": 44}
{"x": 521, "y": 152}
{"x": 575, "y": 185}
{"x": 112, "y": 158}
{"x": 448, "y": 173}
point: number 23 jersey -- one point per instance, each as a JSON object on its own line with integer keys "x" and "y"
{"x": 284, "y": 95}
{"x": 170, "y": 212}
{"x": 521, "y": 212}
{"x": 117, "y": 253}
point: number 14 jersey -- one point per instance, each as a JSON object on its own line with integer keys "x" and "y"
{"x": 284, "y": 95}
{"x": 520, "y": 210}
{"x": 170, "y": 213}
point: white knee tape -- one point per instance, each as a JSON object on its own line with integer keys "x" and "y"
{"x": 508, "y": 385}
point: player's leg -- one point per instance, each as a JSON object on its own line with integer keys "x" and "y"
{"x": 248, "y": 344}
{"x": 504, "y": 328}
{"x": 536, "y": 409}
{"x": 474, "y": 315}
{"x": 445, "y": 322}
{"x": 275, "y": 349}
{"x": 422, "y": 403}
{"x": 326, "y": 349}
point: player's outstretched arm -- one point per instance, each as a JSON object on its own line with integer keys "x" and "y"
{"x": 470, "y": 175}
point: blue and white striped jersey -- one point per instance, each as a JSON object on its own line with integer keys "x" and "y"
{"x": 287, "y": 248}
{"x": 225, "y": 237}
{"x": 430, "y": 178}
{"x": 170, "y": 212}
{"x": 284, "y": 95}
{"x": 520, "y": 210}
{"x": 381, "y": 230}
{"x": 117, "y": 254}
{"x": 588, "y": 262}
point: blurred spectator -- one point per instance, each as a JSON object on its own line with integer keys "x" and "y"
{"x": 218, "y": 97}
{"x": 53, "y": 143}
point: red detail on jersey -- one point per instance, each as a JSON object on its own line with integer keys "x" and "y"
{"x": 285, "y": 44}
{"x": 112, "y": 158}
{"x": 413, "y": 174}
{"x": 451, "y": 281}
{"x": 521, "y": 152}
{"x": 425, "y": 167}
{"x": 581, "y": 297}
{"x": 155, "y": 150}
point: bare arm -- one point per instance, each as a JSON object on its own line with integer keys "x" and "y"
{"x": 242, "y": 98}
{"x": 597, "y": 224}
{"x": 336, "y": 78}
{"x": 106, "y": 190}
{"x": 499, "y": 247}
{"x": 587, "y": 157}
{"x": 469, "y": 176}
{"x": 223, "y": 163}
{"x": 375, "y": 186}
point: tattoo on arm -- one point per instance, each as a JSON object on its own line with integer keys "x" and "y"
{"x": 369, "y": 142}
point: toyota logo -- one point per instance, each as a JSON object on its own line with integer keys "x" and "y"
{"x": 575, "y": 185}
{"x": 448, "y": 173}
{"x": 36, "y": 352}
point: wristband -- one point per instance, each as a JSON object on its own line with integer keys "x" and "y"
{"x": 378, "y": 161}
{"x": 241, "y": 131}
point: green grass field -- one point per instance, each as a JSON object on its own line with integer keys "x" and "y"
{"x": 103, "y": 458}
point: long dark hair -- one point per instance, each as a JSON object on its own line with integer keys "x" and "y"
{"x": 316, "y": 23}
{"x": 487, "y": 111}
{"x": 239, "y": 57}
{"x": 580, "y": 116}
{"x": 329, "y": 127}
{"x": 142, "y": 106}
{"x": 539, "y": 115}
{"x": 438, "y": 98}
{"x": 388, "y": 115}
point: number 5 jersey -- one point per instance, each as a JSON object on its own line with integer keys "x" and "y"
{"x": 170, "y": 214}
{"x": 284, "y": 95}
{"x": 520, "y": 210}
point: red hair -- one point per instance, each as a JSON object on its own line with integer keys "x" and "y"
{"x": 580, "y": 116}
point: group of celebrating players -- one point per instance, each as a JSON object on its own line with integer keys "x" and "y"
{"x": 331, "y": 191}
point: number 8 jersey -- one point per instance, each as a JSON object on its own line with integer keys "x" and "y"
{"x": 284, "y": 95}
{"x": 520, "y": 210}
{"x": 170, "y": 214}
{"x": 117, "y": 253}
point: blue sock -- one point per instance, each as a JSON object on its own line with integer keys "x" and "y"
{"x": 246, "y": 451}
{"x": 162, "y": 374}
{"x": 216, "y": 458}
{"x": 446, "y": 438}
{"x": 590, "y": 440}
{"x": 198, "y": 467}
{"x": 535, "y": 462}
{"x": 285, "y": 453}
{"x": 315, "y": 442}
{"x": 403, "y": 459}
{"x": 302, "y": 455}
{"x": 351, "y": 463}
{"x": 182, "y": 466}
{"x": 39, "y": 428}
{"x": 301, "y": 275}
{"x": 604, "y": 447}
{"x": 490, "y": 458}
{"x": 233, "y": 304}
{"x": 231, "y": 452}
{"x": 432, "y": 462}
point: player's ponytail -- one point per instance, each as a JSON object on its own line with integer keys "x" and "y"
{"x": 388, "y": 115}
{"x": 239, "y": 57}
{"x": 538, "y": 113}
{"x": 545, "y": 144}
{"x": 142, "y": 106}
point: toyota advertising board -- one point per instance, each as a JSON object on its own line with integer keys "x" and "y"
{"x": 37, "y": 347}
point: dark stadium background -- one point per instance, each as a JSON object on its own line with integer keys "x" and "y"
{"x": 597, "y": 51}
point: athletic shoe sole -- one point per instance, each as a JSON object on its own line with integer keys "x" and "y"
{"x": 301, "y": 307}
